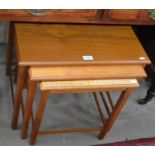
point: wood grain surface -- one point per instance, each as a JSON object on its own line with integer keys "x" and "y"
{"x": 88, "y": 85}
{"x": 91, "y": 16}
{"x": 52, "y": 44}
{"x": 86, "y": 72}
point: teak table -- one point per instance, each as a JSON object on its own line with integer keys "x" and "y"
{"x": 66, "y": 79}
{"x": 73, "y": 45}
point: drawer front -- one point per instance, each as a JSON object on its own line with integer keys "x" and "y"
{"x": 74, "y": 12}
{"x": 123, "y": 14}
{"x": 51, "y": 15}
{"x": 128, "y": 16}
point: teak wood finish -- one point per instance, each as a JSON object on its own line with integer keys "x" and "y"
{"x": 61, "y": 73}
{"x": 52, "y": 45}
{"x": 109, "y": 122}
{"x": 56, "y": 44}
{"x": 87, "y": 85}
{"x": 58, "y": 73}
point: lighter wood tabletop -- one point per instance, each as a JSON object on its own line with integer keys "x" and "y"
{"x": 88, "y": 85}
{"x": 43, "y": 44}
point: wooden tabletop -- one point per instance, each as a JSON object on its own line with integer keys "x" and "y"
{"x": 86, "y": 72}
{"x": 53, "y": 44}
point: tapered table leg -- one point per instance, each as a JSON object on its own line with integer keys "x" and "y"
{"x": 28, "y": 108}
{"x": 38, "y": 116}
{"x": 117, "y": 108}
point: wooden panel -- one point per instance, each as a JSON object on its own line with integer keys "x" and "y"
{"x": 143, "y": 16}
{"x": 79, "y": 16}
{"x": 126, "y": 16}
{"x": 73, "y": 12}
{"x": 86, "y": 72}
{"x": 47, "y": 44}
{"x": 68, "y": 15}
{"x": 54, "y": 12}
{"x": 99, "y": 16}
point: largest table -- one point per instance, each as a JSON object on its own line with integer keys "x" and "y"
{"x": 57, "y": 44}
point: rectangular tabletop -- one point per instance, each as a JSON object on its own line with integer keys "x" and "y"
{"x": 86, "y": 72}
{"x": 52, "y": 44}
{"x": 88, "y": 85}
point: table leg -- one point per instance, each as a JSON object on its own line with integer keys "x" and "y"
{"x": 28, "y": 108}
{"x": 117, "y": 108}
{"x": 38, "y": 116}
{"x": 21, "y": 77}
{"x": 9, "y": 49}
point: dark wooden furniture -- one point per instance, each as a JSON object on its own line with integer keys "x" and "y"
{"x": 80, "y": 16}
